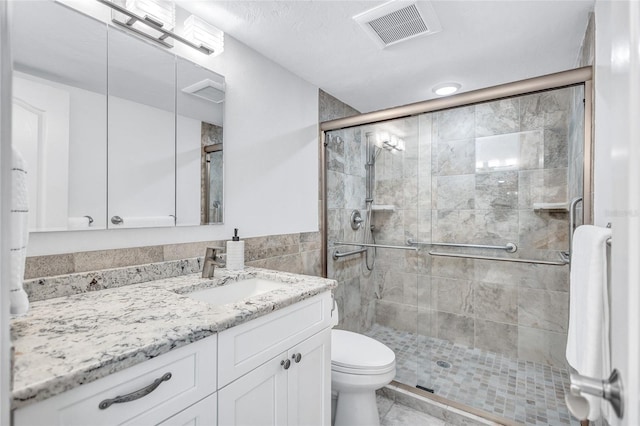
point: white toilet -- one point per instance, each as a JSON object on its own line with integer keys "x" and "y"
{"x": 359, "y": 366}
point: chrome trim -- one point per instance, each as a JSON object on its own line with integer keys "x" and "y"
{"x": 509, "y": 247}
{"x": 610, "y": 390}
{"x": 340, "y": 243}
{"x": 572, "y": 222}
{"x": 536, "y": 84}
{"x": 337, "y": 254}
{"x": 587, "y": 163}
{"x": 503, "y": 259}
{"x": 155, "y": 25}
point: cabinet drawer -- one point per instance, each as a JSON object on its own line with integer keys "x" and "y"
{"x": 203, "y": 413}
{"x": 245, "y": 347}
{"x": 193, "y": 376}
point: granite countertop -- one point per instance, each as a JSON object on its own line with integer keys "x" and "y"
{"x": 67, "y": 341}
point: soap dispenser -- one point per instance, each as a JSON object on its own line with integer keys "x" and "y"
{"x": 235, "y": 252}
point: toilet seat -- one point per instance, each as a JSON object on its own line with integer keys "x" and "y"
{"x": 354, "y": 353}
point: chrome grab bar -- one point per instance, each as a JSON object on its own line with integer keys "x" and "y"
{"x": 572, "y": 223}
{"x": 509, "y": 247}
{"x": 610, "y": 390}
{"x": 341, "y": 243}
{"x": 337, "y": 254}
{"x": 363, "y": 248}
{"x": 504, "y": 259}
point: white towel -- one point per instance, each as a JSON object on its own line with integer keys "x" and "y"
{"x": 588, "y": 348}
{"x": 19, "y": 233}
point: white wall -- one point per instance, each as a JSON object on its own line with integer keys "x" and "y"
{"x": 271, "y": 156}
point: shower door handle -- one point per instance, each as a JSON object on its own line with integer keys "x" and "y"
{"x": 610, "y": 390}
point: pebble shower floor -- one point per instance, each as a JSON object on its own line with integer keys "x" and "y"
{"x": 526, "y": 392}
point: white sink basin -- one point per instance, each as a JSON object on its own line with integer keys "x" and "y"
{"x": 234, "y": 292}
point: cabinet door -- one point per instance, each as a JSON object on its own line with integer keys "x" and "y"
{"x": 258, "y": 398}
{"x": 203, "y": 413}
{"x": 309, "y": 381}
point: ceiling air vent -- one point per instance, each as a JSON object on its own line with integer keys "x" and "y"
{"x": 397, "y": 21}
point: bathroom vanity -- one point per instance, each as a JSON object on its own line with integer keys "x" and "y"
{"x": 152, "y": 353}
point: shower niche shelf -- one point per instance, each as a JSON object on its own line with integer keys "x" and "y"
{"x": 553, "y": 207}
{"x": 383, "y": 208}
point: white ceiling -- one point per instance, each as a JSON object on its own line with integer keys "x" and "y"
{"x": 482, "y": 44}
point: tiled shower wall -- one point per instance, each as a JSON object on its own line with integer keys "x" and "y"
{"x": 488, "y": 165}
{"x": 346, "y": 191}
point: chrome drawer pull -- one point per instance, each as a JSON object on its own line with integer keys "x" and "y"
{"x": 136, "y": 394}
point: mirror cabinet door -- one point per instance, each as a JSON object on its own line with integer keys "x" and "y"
{"x": 141, "y": 125}
{"x": 60, "y": 114}
{"x": 200, "y": 101}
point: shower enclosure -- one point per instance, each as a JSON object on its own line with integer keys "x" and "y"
{"x": 448, "y": 230}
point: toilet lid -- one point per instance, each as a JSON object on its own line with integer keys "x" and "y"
{"x": 358, "y": 352}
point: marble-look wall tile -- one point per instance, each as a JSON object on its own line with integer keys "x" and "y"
{"x": 335, "y": 225}
{"x": 455, "y": 192}
{"x": 498, "y": 117}
{"x": 189, "y": 250}
{"x": 391, "y": 285}
{"x": 547, "y": 310}
{"x": 310, "y": 241}
{"x": 389, "y": 227}
{"x": 273, "y": 246}
{"x": 497, "y": 190}
{"x": 286, "y": 263}
{"x": 389, "y": 191}
{"x": 453, "y": 296}
{"x": 555, "y": 148}
{"x": 541, "y": 186}
{"x": 47, "y": 266}
{"x": 335, "y": 190}
{"x": 311, "y": 263}
{"x": 496, "y": 337}
{"x": 335, "y": 151}
{"x": 456, "y": 328}
{"x": 457, "y": 123}
{"x": 397, "y": 315}
{"x": 455, "y": 157}
{"x": 451, "y": 267}
{"x": 531, "y": 150}
{"x": 496, "y": 302}
{"x": 105, "y": 259}
{"x": 544, "y": 230}
{"x": 544, "y": 110}
{"x": 354, "y": 153}
{"x": 542, "y": 346}
{"x": 546, "y": 277}
{"x": 354, "y": 192}
{"x": 475, "y": 226}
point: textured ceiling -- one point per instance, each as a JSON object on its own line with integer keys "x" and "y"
{"x": 482, "y": 43}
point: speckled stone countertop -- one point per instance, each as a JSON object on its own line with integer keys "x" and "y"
{"x": 67, "y": 341}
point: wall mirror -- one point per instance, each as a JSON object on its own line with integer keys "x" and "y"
{"x": 117, "y": 132}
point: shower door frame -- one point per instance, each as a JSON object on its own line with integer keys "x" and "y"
{"x": 543, "y": 83}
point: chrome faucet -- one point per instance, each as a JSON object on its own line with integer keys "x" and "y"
{"x": 211, "y": 260}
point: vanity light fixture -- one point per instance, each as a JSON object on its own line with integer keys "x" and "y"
{"x": 161, "y": 11}
{"x": 445, "y": 89}
{"x": 201, "y": 33}
{"x": 153, "y": 17}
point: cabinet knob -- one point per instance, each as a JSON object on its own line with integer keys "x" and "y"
{"x": 285, "y": 363}
{"x": 296, "y": 357}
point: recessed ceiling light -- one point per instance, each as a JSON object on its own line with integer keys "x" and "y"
{"x": 445, "y": 89}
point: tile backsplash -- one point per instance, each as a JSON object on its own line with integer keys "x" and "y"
{"x": 297, "y": 253}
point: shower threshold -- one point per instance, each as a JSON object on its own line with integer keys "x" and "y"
{"x": 522, "y": 392}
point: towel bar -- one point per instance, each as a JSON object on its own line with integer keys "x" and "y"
{"x": 503, "y": 259}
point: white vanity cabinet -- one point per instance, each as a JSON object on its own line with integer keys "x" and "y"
{"x": 192, "y": 370}
{"x": 276, "y": 370}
